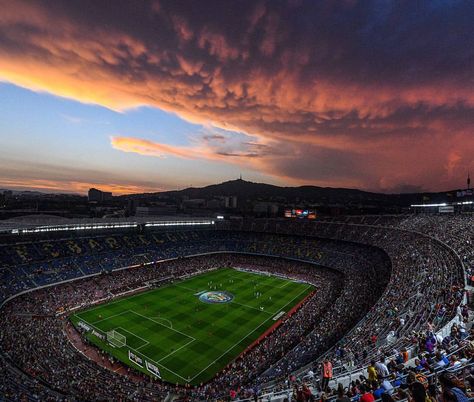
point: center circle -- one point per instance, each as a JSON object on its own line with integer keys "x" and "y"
{"x": 216, "y": 296}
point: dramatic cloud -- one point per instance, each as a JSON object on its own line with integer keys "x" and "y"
{"x": 374, "y": 94}
{"x": 215, "y": 147}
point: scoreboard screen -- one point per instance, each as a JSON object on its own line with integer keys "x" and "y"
{"x": 300, "y": 213}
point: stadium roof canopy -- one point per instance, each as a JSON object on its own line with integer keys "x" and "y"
{"x": 47, "y": 223}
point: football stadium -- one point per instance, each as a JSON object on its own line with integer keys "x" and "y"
{"x": 207, "y": 309}
{"x": 236, "y": 201}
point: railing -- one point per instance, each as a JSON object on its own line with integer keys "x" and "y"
{"x": 288, "y": 392}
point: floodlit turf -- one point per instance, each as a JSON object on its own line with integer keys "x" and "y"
{"x": 187, "y": 339}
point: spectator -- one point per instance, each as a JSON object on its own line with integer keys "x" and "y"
{"x": 452, "y": 389}
{"x": 366, "y": 395}
{"x": 326, "y": 374}
{"x": 381, "y": 368}
{"x": 372, "y": 374}
{"x": 341, "y": 396}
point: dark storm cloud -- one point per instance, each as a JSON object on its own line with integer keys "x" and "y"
{"x": 358, "y": 90}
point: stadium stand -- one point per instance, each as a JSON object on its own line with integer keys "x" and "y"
{"x": 396, "y": 292}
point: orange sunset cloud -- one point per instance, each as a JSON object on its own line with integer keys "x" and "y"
{"x": 302, "y": 86}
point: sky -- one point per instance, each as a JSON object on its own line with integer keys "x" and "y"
{"x": 133, "y": 96}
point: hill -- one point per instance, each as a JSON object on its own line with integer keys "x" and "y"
{"x": 246, "y": 190}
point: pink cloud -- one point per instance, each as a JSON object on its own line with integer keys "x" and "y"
{"x": 380, "y": 102}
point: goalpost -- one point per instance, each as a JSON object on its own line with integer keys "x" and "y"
{"x": 116, "y": 339}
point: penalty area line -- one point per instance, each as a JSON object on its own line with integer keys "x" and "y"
{"x": 159, "y": 323}
{"x": 135, "y": 335}
{"x": 172, "y": 353}
{"x": 158, "y": 364}
{"x": 107, "y": 318}
{"x": 143, "y": 355}
{"x": 163, "y": 319}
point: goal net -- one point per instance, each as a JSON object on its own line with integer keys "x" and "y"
{"x": 116, "y": 339}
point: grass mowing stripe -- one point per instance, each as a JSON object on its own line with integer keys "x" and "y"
{"x": 121, "y": 298}
{"x": 283, "y": 285}
{"x": 254, "y": 308}
{"x": 184, "y": 287}
{"x": 164, "y": 319}
{"x": 172, "y": 353}
{"x": 246, "y": 336}
{"x": 158, "y": 364}
{"x": 190, "y": 340}
{"x": 108, "y": 318}
{"x": 135, "y": 335}
{"x": 159, "y": 323}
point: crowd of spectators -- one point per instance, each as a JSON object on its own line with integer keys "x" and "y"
{"x": 455, "y": 231}
{"x": 426, "y": 286}
{"x": 444, "y": 374}
{"x": 394, "y": 287}
{"x": 35, "y": 263}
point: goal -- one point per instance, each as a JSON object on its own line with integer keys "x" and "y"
{"x": 116, "y": 339}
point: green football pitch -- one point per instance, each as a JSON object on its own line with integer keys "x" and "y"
{"x": 192, "y": 329}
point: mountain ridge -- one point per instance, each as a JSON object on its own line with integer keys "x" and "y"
{"x": 250, "y": 190}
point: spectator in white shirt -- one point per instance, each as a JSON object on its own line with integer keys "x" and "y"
{"x": 381, "y": 368}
